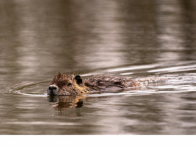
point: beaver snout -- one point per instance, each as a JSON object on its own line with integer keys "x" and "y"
{"x": 52, "y": 90}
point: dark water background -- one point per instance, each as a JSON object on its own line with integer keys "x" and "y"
{"x": 133, "y": 38}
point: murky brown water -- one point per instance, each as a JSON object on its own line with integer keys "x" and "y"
{"x": 131, "y": 38}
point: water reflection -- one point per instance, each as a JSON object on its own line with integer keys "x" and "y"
{"x": 174, "y": 31}
{"x": 52, "y": 36}
{"x": 104, "y": 51}
{"x": 169, "y": 24}
{"x": 66, "y": 105}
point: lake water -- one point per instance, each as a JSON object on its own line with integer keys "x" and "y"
{"x": 131, "y": 38}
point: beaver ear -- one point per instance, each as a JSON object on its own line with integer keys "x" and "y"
{"x": 78, "y": 79}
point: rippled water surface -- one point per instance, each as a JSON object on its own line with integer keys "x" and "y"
{"x": 131, "y": 38}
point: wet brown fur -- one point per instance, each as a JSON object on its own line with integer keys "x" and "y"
{"x": 105, "y": 81}
{"x": 68, "y": 84}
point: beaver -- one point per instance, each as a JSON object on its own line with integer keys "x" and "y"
{"x": 70, "y": 84}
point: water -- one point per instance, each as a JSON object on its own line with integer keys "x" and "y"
{"x": 128, "y": 38}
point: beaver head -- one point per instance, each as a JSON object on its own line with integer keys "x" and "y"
{"x": 63, "y": 84}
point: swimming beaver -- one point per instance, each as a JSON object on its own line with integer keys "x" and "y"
{"x": 65, "y": 84}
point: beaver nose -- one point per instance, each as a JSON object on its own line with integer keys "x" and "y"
{"x": 51, "y": 88}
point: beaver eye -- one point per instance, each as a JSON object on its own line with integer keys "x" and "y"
{"x": 69, "y": 84}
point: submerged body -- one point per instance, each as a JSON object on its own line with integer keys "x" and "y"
{"x": 63, "y": 84}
